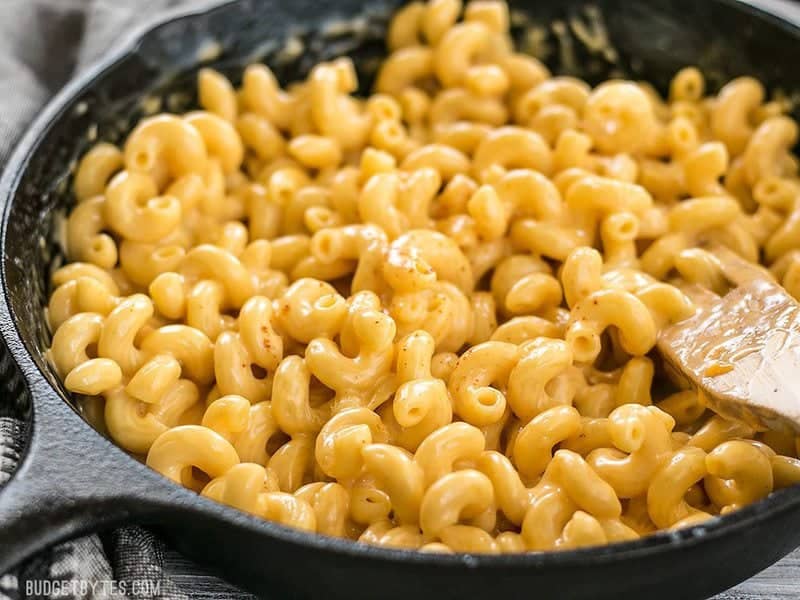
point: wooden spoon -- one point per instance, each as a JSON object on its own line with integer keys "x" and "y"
{"x": 741, "y": 350}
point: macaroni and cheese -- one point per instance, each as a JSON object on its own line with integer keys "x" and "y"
{"x": 426, "y": 319}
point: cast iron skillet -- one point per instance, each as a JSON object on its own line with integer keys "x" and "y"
{"x": 73, "y": 481}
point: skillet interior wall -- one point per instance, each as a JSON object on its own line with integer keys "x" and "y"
{"x": 592, "y": 40}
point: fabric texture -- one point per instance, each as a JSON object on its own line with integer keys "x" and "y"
{"x": 43, "y": 43}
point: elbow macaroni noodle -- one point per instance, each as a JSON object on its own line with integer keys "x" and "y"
{"x": 424, "y": 319}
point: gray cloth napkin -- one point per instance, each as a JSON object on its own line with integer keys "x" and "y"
{"x": 43, "y": 43}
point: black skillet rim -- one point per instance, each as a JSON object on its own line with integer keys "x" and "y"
{"x": 750, "y": 516}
